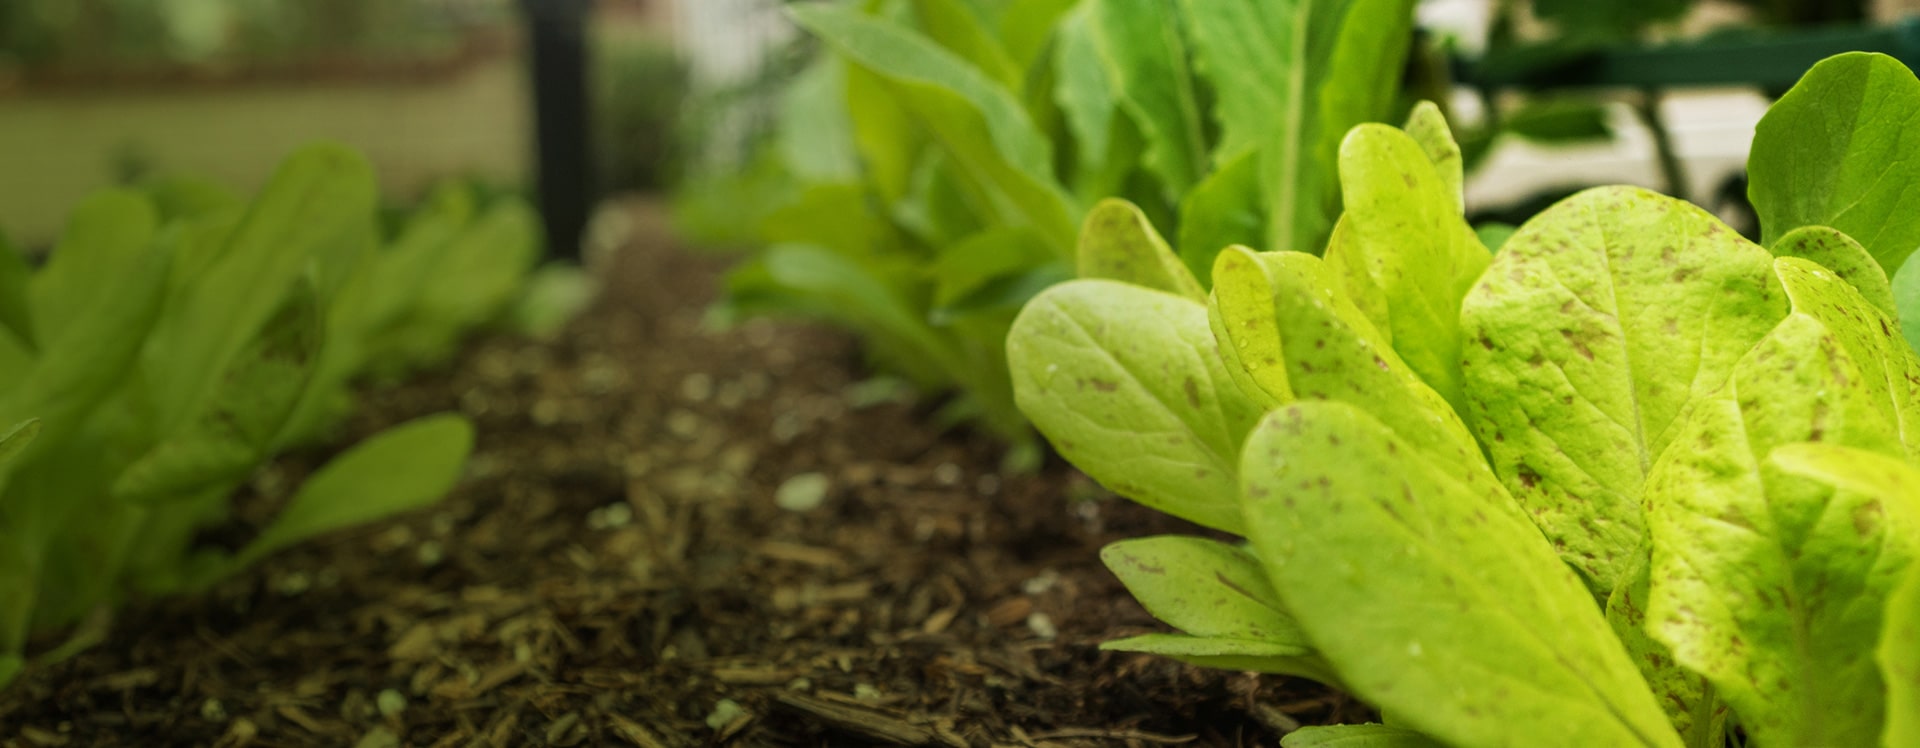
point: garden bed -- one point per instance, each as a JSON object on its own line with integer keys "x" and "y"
{"x": 616, "y": 567}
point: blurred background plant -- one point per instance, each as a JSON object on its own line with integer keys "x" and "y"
{"x": 95, "y": 34}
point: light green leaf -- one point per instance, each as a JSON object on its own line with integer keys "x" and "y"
{"x": 238, "y": 428}
{"x": 10, "y": 667}
{"x": 1405, "y": 253}
{"x": 1691, "y": 706}
{"x": 1282, "y": 319}
{"x": 1771, "y": 560}
{"x": 973, "y": 263}
{"x": 1238, "y": 655}
{"x": 78, "y": 372}
{"x": 884, "y": 133}
{"x": 1289, "y": 82}
{"x": 181, "y": 196}
{"x": 1428, "y": 127}
{"x": 402, "y": 468}
{"x": 108, "y": 231}
{"x": 1125, "y": 382}
{"x": 1119, "y": 243}
{"x": 1356, "y": 736}
{"x": 16, "y": 440}
{"x": 1224, "y": 210}
{"x": 981, "y": 124}
{"x": 953, "y": 25}
{"x": 1889, "y": 369}
{"x": 816, "y": 133}
{"x": 1494, "y": 235}
{"x": 1146, "y": 57}
{"x": 483, "y": 269}
{"x": 1839, "y": 150}
{"x": 1431, "y": 593}
{"x": 1241, "y": 312}
{"x": 1899, "y": 659}
{"x": 1026, "y": 26}
{"x": 16, "y": 306}
{"x": 1906, "y": 299}
{"x": 320, "y": 201}
{"x": 1203, "y": 587}
{"x": 1085, "y": 97}
{"x": 1587, "y": 337}
{"x": 1220, "y": 597}
{"x": 408, "y": 263}
{"x": 1845, "y": 257}
{"x": 556, "y": 293}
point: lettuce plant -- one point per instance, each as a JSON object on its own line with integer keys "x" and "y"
{"x": 941, "y": 155}
{"x": 175, "y": 340}
{"x": 1632, "y": 480}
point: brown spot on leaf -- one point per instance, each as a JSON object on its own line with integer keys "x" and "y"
{"x": 1866, "y": 519}
{"x": 1579, "y": 344}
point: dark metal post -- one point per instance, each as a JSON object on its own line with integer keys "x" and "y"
{"x": 557, "y": 32}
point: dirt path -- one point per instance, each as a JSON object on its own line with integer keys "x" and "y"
{"x": 617, "y": 570}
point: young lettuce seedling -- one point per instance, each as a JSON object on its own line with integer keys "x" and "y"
{"x": 1634, "y": 480}
{"x": 170, "y": 345}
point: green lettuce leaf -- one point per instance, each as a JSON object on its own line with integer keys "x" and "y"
{"x": 1405, "y": 253}
{"x": 1125, "y": 383}
{"x": 1356, "y": 736}
{"x": 1839, "y": 150}
{"x": 110, "y": 229}
{"x": 1899, "y": 658}
{"x": 1772, "y": 561}
{"x": 1118, "y": 243}
{"x": 1220, "y": 597}
{"x": 1145, "y": 53}
{"x": 1846, "y": 258}
{"x": 992, "y": 139}
{"x": 402, "y": 468}
{"x": 1430, "y": 592}
{"x": 1289, "y": 82}
{"x": 1282, "y": 320}
{"x": 1586, "y": 339}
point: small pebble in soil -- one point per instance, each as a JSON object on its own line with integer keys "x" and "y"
{"x": 546, "y": 412}
{"x": 866, "y": 692}
{"x": 610, "y": 517}
{"x": 947, "y": 474}
{"x": 724, "y": 713}
{"x": 292, "y": 584}
{"x": 1041, "y": 582}
{"x": 697, "y": 387}
{"x": 787, "y": 427}
{"x": 802, "y": 493}
{"x": 988, "y": 485}
{"x": 378, "y": 737}
{"x": 212, "y": 710}
{"x": 391, "y": 703}
{"x": 683, "y": 423}
{"x": 1042, "y": 626}
{"x": 429, "y": 553}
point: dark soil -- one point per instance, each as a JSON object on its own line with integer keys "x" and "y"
{"x": 616, "y": 571}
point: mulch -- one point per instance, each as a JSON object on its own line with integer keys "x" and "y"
{"x": 618, "y": 569}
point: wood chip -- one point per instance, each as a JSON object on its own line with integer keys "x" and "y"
{"x": 800, "y": 554}
{"x": 867, "y": 723}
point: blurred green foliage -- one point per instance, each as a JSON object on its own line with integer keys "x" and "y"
{"x": 90, "y": 34}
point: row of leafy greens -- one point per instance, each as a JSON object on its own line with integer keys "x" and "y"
{"x": 1631, "y": 480}
{"x": 940, "y": 156}
{"x": 178, "y": 336}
